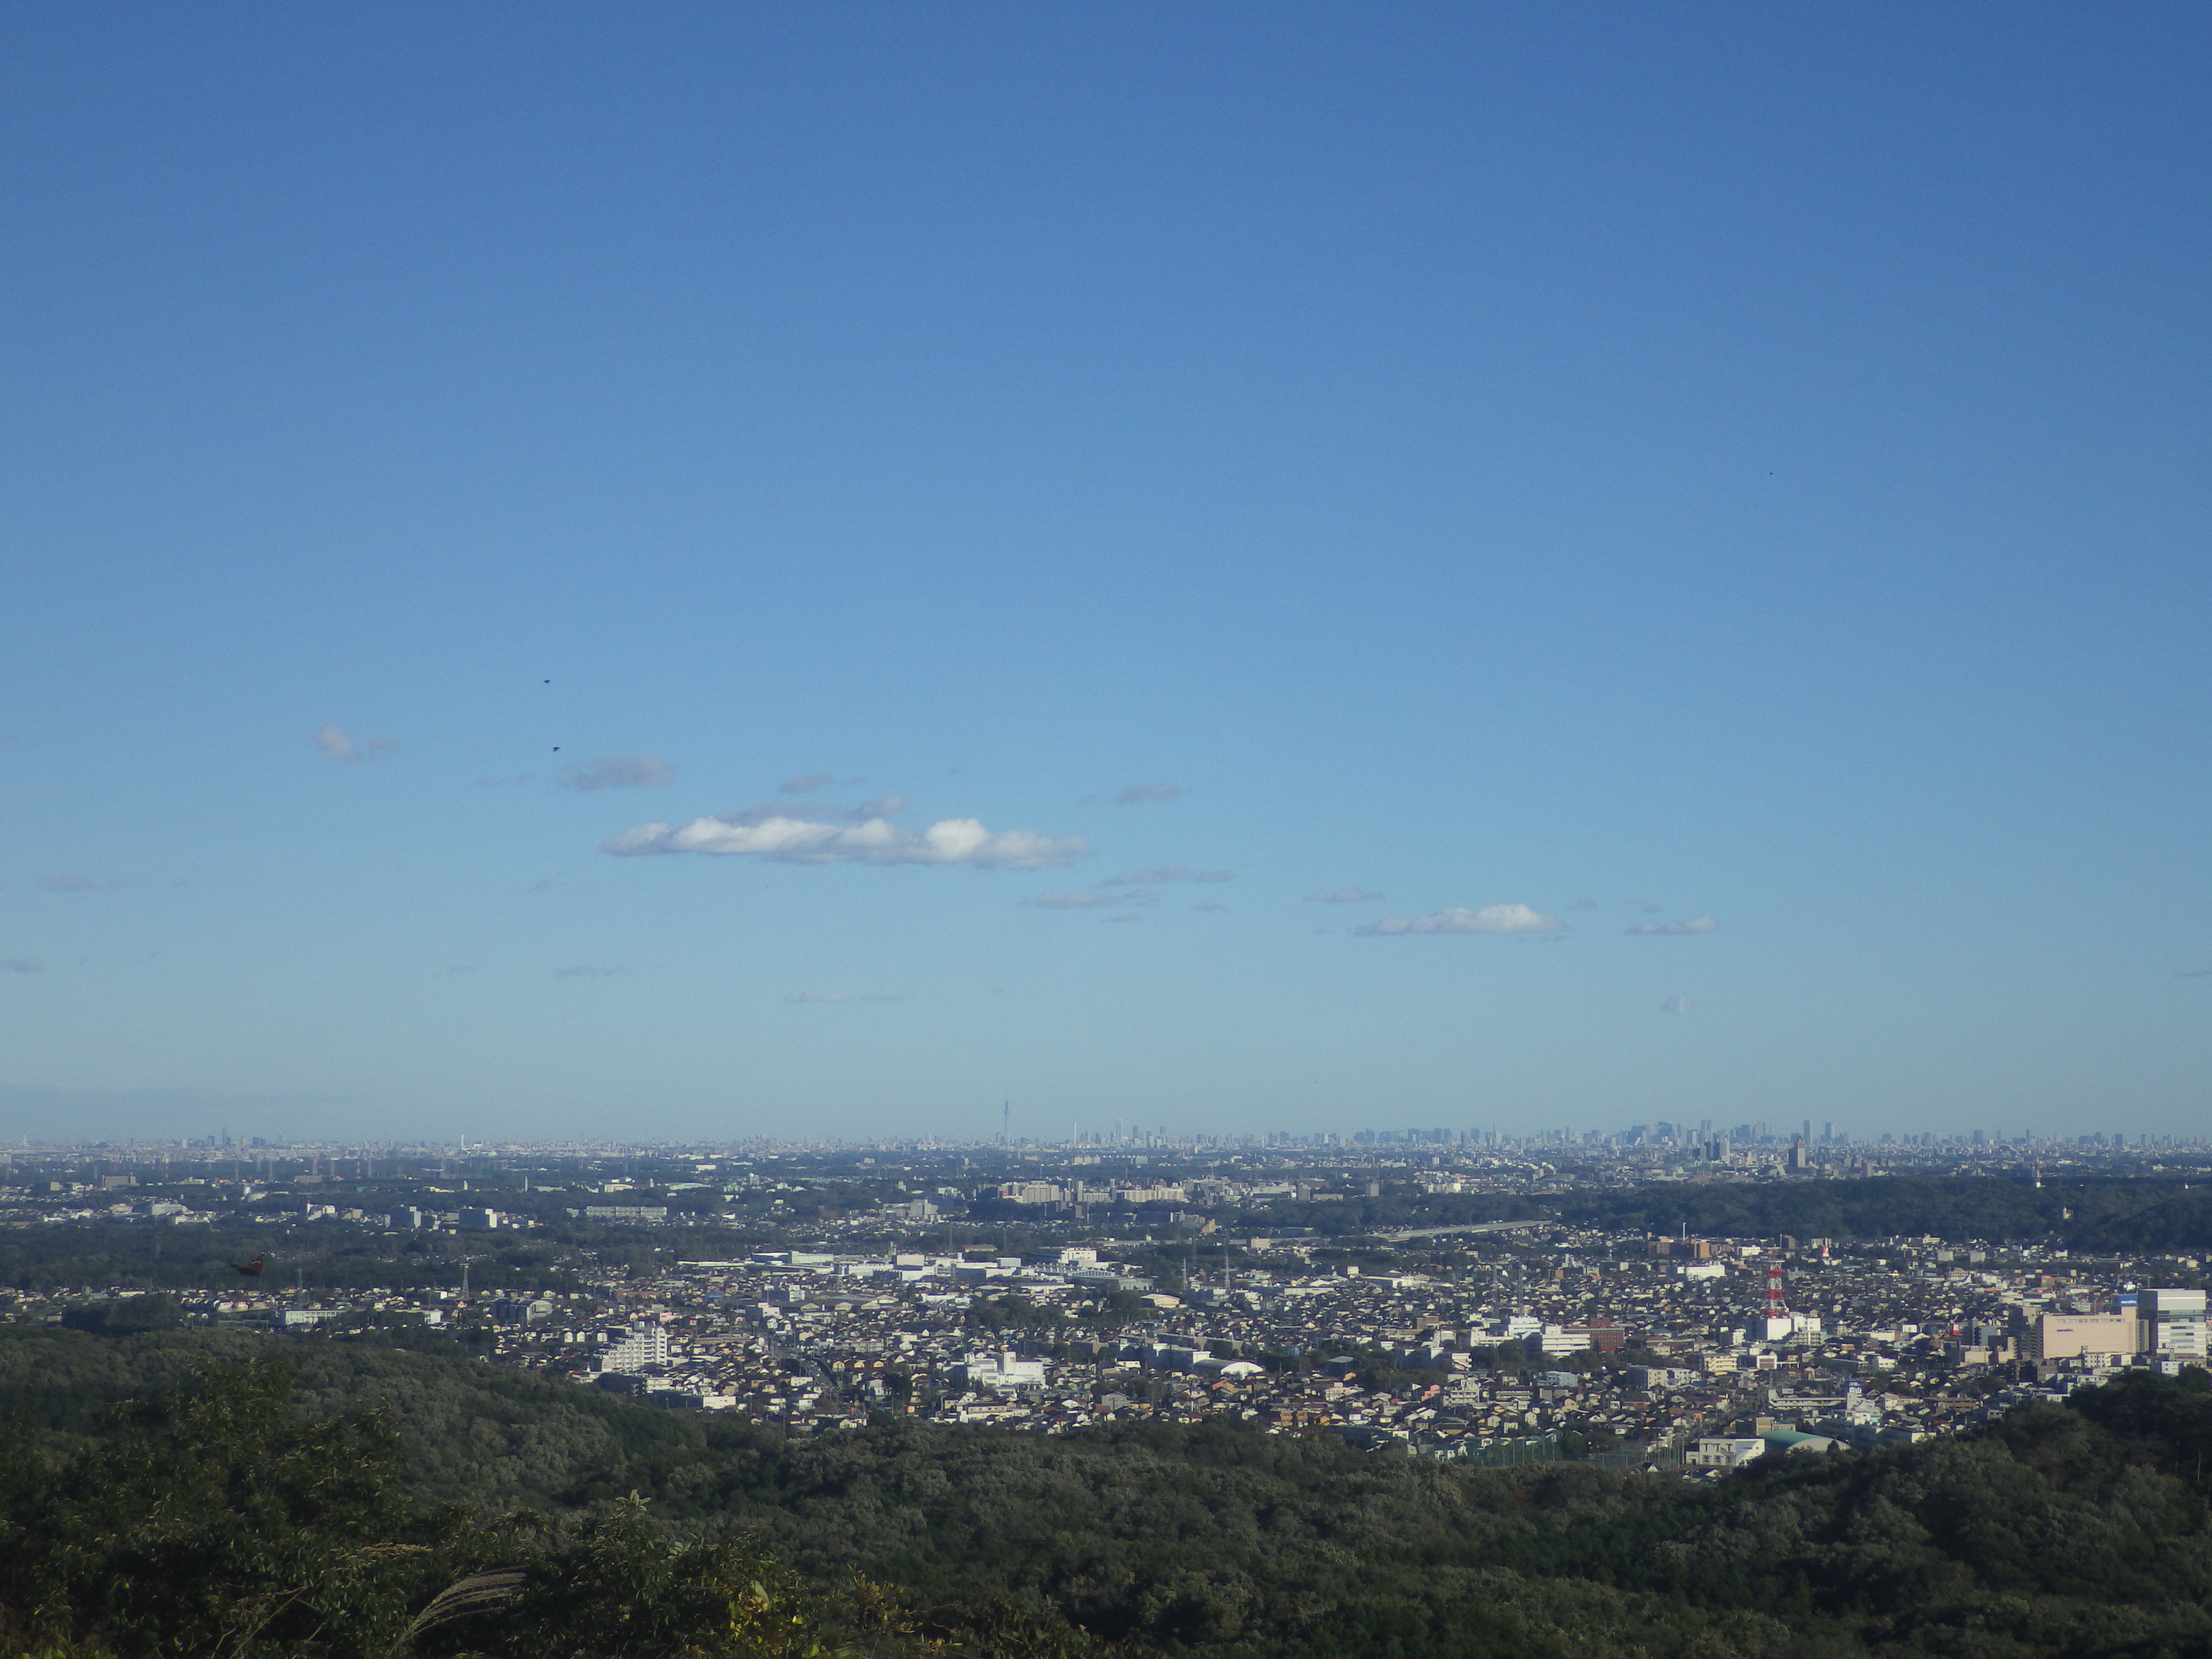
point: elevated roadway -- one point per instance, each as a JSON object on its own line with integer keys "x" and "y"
{"x": 1469, "y": 1227}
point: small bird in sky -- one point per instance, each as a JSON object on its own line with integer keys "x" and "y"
{"x": 252, "y": 1269}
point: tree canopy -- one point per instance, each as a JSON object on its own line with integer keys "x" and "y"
{"x": 174, "y": 1493}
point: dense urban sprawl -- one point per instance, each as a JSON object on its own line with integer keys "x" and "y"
{"x": 1461, "y": 1296}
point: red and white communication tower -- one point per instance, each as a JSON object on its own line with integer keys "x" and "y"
{"x": 1779, "y": 1323}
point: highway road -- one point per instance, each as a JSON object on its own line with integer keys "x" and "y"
{"x": 1470, "y": 1227}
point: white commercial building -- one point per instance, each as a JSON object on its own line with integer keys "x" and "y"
{"x": 1002, "y": 1372}
{"x": 2070, "y": 1336}
{"x": 2172, "y": 1321}
{"x": 1724, "y": 1454}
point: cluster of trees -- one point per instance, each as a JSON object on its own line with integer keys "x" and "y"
{"x": 221, "y": 1515}
{"x": 176, "y": 1493}
{"x": 38, "y": 1259}
{"x": 2134, "y": 1214}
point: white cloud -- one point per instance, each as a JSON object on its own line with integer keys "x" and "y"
{"x": 334, "y": 743}
{"x": 1344, "y": 895}
{"x": 340, "y": 747}
{"x": 760, "y": 814}
{"x": 1166, "y": 873}
{"x": 1676, "y": 1004}
{"x": 882, "y": 807}
{"x": 1072, "y": 901}
{"x": 801, "y": 841}
{"x": 1694, "y": 925}
{"x": 1456, "y": 919}
{"x": 805, "y": 784}
{"x": 1136, "y": 794}
{"x": 617, "y": 771}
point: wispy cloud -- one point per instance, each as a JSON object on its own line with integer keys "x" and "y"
{"x": 340, "y": 747}
{"x": 585, "y": 972}
{"x": 1456, "y": 919}
{"x": 334, "y": 743}
{"x": 1581, "y": 905}
{"x": 1675, "y": 929}
{"x": 1344, "y": 895}
{"x": 21, "y": 965}
{"x": 801, "y": 841}
{"x": 1164, "y": 872}
{"x": 67, "y": 883}
{"x": 882, "y": 807}
{"x": 514, "y": 781}
{"x": 1137, "y": 794}
{"x": 806, "y": 783}
{"x": 2195, "y": 973}
{"x": 618, "y": 772}
{"x": 1071, "y": 901}
{"x": 1676, "y": 1004}
{"x": 846, "y": 996}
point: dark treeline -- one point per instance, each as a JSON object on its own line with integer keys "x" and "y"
{"x": 323, "y": 1257}
{"x": 197, "y": 1492}
{"x": 311, "y": 1258}
{"x": 2136, "y": 1215}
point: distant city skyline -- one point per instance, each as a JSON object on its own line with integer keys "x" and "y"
{"x": 817, "y": 572}
{"x": 1705, "y": 1142}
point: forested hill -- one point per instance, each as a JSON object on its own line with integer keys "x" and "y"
{"x": 2134, "y": 1215}
{"x": 174, "y": 1494}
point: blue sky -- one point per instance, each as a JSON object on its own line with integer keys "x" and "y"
{"x": 1561, "y": 470}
